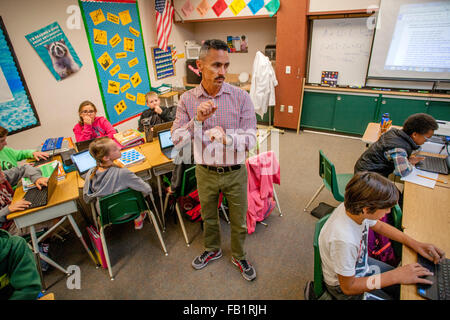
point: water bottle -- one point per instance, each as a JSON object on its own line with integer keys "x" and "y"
{"x": 147, "y": 130}
{"x": 384, "y": 119}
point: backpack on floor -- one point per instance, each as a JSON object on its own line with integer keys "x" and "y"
{"x": 190, "y": 206}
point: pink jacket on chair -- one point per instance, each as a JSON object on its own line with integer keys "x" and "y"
{"x": 263, "y": 171}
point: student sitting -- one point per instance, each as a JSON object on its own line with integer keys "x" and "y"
{"x": 90, "y": 126}
{"x": 392, "y": 152}
{"x": 156, "y": 113}
{"x": 19, "y": 278}
{"x": 107, "y": 178}
{"x": 347, "y": 270}
{"x": 9, "y": 157}
{"x": 9, "y": 178}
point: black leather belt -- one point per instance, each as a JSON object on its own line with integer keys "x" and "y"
{"x": 222, "y": 169}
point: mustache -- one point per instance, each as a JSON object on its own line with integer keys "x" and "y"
{"x": 220, "y": 77}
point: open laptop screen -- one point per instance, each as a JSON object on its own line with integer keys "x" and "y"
{"x": 165, "y": 139}
{"x": 83, "y": 161}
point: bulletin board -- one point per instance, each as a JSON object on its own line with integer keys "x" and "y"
{"x": 115, "y": 37}
{"x": 163, "y": 62}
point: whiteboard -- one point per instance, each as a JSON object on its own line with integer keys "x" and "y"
{"x": 341, "y": 45}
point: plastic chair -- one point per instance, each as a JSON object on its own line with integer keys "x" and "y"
{"x": 122, "y": 207}
{"x": 334, "y": 182}
{"x": 319, "y": 287}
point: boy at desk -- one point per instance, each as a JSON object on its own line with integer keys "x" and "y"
{"x": 348, "y": 271}
{"x": 9, "y": 157}
{"x": 156, "y": 113}
{"x": 392, "y": 152}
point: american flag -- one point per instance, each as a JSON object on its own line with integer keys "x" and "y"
{"x": 164, "y": 17}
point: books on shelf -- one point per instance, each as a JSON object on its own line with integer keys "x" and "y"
{"x": 128, "y": 138}
{"x": 96, "y": 242}
{"x": 46, "y": 171}
{"x": 130, "y": 157}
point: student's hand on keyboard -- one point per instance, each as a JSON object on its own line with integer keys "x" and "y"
{"x": 41, "y": 182}
{"x": 415, "y": 159}
{"x": 412, "y": 273}
{"x": 429, "y": 251}
{"x": 19, "y": 205}
{"x": 40, "y": 155}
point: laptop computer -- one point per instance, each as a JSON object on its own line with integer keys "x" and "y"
{"x": 83, "y": 161}
{"x": 166, "y": 144}
{"x": 434, "y": 164}
{"x": 39, "y": 198}
{"x": 161, "y": 126}
{"x": 84, "y": 145}
{"x": 440, "y": 289}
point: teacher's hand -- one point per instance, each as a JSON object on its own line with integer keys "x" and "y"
{"x": 205, "y": 110}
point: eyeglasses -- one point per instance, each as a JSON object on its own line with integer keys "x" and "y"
{"x": 88, "y": 111}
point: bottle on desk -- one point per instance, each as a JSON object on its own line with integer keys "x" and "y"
{"x": 385, "y": 123}
{"x": 147, "y": 130}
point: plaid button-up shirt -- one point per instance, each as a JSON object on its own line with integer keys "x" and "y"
{"x": 235, "y": 114}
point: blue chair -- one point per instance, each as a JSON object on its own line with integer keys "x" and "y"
{"x": 334, "y": 182}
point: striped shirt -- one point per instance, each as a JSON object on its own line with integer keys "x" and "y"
{"x": 235, "y": 114}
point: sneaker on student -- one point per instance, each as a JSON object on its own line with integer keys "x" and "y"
{"x": 247, "y": 270}
{"x": 202, "y": 260}
{"x": 139, "y": 222}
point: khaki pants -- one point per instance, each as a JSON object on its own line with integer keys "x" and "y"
{"x": 233, "y": 185}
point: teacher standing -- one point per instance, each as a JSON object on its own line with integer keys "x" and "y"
{"x": 219, "y": 119}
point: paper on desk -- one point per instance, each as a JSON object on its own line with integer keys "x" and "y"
{"x": 413, "y": 178}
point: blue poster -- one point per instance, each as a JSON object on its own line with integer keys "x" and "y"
{"x": 17, "y": 112}
{"x": 55, "y": 50}
{"x": 115, "y": 37}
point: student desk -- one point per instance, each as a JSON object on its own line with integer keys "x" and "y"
{"x": 373, "y": 132}
{"x": 61, "y": 204}
{"x": 426, "y": 218}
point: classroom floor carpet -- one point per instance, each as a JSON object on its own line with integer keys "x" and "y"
{"x": 282, "y": 252}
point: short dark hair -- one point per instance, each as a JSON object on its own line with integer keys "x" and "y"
{"x": 3, "y": 132}
{"x": 420, "y": 123}
{"x": 369, "y": 190}
{"x": 212, "y": 44}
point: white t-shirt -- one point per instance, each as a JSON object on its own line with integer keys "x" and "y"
{"x": 343, "y": 246}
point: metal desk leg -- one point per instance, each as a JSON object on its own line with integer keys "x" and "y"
{"x": 158, "y": 178}
{"x": 276, "y": 200}
{"x": 80, "y": 236}
{"x": 157, "y": 213}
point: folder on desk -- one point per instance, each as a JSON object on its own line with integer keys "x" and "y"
{"x": 97, "y": 244}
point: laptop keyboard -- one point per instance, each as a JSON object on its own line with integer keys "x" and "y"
{"x": 37, "y": 197}
{"x": 443, "y": 278}
{"x": 434, "y": 164}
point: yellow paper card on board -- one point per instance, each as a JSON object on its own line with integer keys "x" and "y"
{"x": 124, "y": 76}
{"x": 134, "y": 32}
{"x": 120, "y": 55}
{"x": 113, "y": 87}
{"x": 115, "y": 40}
{"x": 125, "y": 87}
{"x": 130, "y": 97}
{"x": 128, "y": 44}
{"x": 97, "y": 16}
{"x": 140, "y": 100}
{"x": 125, "y": 17}
{"x": 100, "y": 37}
{"x": 120, "y": 107}
{"x": 112, "y": 18}
{"x": 135, "y": 80}
{"x": 236, "y": 6}
{"x": 114, "y": 70}
{"x": 105, "y": 61}
{"x": 133, "y": 62}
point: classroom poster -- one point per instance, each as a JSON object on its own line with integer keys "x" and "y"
{"x": 52, "y": 45}
{"x": 115, "y": 37}
{"x": 17, "y": 112}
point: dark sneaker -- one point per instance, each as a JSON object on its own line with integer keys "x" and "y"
{"x": 202, "y": 260}
{"x": 309, "y": 291}
{"x": 247, "y": 270}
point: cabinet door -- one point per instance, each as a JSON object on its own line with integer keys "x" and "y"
{"x": 439, "y": 109}
{"x": 353, "y": 112}
{"x": 401, "y": 108}
{"x": 317, "y": 110}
